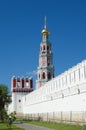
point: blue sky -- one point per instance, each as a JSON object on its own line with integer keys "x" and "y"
{"x": 21, "y": 22}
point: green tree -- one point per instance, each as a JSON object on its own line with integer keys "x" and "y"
{"x": 4, "y": 99}
{"x": 11, "y": 118}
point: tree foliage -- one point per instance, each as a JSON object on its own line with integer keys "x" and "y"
{"x": 4, "y": 99}
{"x": 11, "y": 118}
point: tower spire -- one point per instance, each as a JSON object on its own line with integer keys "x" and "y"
{"x": 45, "y": 22}
{"x": 45, "y": 31}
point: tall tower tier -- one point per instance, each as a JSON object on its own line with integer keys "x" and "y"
{"x": 46, "y": 69}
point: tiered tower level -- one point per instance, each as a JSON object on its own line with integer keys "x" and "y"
{"x": 46, "y": 69}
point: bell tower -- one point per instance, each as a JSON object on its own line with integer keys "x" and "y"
{"x": 45, "y": 71}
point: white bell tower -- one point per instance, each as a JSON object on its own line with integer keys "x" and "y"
{"x": 45, "y": 71}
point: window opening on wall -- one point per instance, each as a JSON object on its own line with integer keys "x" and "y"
{"x": 44, "y": 47}
{"x": 49, "y": 75}
{"x": 43, "y": 75}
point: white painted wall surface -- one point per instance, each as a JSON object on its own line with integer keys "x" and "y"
{"x": 67, "y": 92}
{"x": 76, "y": 102}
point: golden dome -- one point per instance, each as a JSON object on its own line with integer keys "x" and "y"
{"x": 45, "y": 31}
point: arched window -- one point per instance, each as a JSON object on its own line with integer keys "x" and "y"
{"x": 49, "y": 75}
{"x": 43, "y": 75}
{"x": 44, "y": 47}
{"x": 47, "y": 47}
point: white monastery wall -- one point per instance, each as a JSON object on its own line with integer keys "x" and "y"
{"x": 66, "y": 92}
{"x": 17, "y": 104}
